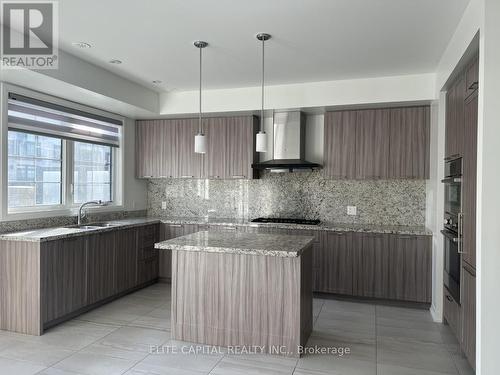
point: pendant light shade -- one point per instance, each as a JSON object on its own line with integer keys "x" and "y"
{"x": 261, "y": 137}
{"x": 261, "y": 142}
{"x": 200, "y": 141}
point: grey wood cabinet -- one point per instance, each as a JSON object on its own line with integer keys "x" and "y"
{"x": 165, "y": 148}
{"x": 372, "y": 144}
{"x": 148, "y": 256}
{"x": 101, "y": 266}
{"x": 371, "y": 265}
{"x": 469, "y": 189}
{"x": 452, "y": 313}
{"x": 64, "y": 277}
{"x": 455, "y": 118}
{"x": 468, "y": 299}
{"x": 215, "y": 158}
{"x": 377, "y": 143}
{"x": 409, "y": 145}
{"x": 410, "y": 272}
{"x": 472, "y": 77}
{"x": 335, "y": 257}
{"x": 340, "y": 144}
{"x": 240, "y": 151}
{"x": 167, "y": 232}
{"x": 126, "y": 258}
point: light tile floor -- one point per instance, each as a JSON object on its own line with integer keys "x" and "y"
{"x": 116, "y": 339}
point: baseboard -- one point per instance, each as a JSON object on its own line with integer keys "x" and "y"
{"x": 438, "y": 318}
{"x": 376, "y": 301}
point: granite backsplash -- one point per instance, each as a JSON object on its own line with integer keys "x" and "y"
{"x": 21, "y": 225}
{"x": 304, "y": 194}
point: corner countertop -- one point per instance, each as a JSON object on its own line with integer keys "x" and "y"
{"x": 57, "y": 233}
{"x": 323, "y": 226}
{"x": 278, "y": 245}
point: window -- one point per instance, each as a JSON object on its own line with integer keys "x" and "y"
{"x": 92, "y": 172}
{"x": 34, "y": 171}
{"x": 59, "y": 157}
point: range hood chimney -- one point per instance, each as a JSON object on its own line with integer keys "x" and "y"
{"x": 288, "y": 144}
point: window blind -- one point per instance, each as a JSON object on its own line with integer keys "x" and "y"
{"x": 40, "y": 117}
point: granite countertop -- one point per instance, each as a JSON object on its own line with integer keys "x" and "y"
{"x": 336, "y": 227}
{"x": 278, "y": 245}
{"x": 57, "y": 233}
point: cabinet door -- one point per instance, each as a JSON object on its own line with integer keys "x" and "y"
{"x": 240, "y": 146}
{"x": 468, "y": 297}
{"x": 410, "y": 275}
{"x": 371, "y": 265}
{"x": 167, "y": 231}
{"x": 215, "y": 158}
{"x": 372, "y": 144}
{"x": 472, "y": 77}
{"x": 409, "y": 142}
{"x": 469, "y": 189}
{"x": 63, "y": 273}
{"x": 149, "y": 148}
{"x": 188, "y": 163}
{"x": 340, "y": 144}
{"x": 336, "y": 263}
{"x": 455, "y": 118}
{"x": 126, "y": 259}
{"x": 101, "y": 282}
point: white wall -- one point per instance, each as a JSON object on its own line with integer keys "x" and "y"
{"x": 409, "y": 88}
{"x": 488, "y": 241}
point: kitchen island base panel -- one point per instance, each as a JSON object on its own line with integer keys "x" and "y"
{"x": 242, "y": 300}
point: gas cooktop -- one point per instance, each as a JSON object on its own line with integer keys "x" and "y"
{"x": 279, "y": 220}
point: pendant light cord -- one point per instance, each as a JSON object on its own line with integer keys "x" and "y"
{"x": 200, "y": 125}
{"x": 262, "y": 106}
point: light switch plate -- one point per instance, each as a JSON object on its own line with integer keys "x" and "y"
{"x": 163, "y": 205}
{"x": 352, "y": 210}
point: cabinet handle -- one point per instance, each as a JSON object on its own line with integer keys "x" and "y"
{"x": 186, "y": 176}
{"x": 460, "y": 233}
{"x": 449, "y": 298}
{"x": 175, "y": 225}
{"x": 238, "y": 176}
{"x": 147, "y": 176}
{"x": 213, "y": 177}
{"x": 339, "y": 233}
{"x": 473, "y": 86}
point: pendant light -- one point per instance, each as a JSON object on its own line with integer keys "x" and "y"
{"x": 200, "y": 141}
{"x": 261, "y": 138}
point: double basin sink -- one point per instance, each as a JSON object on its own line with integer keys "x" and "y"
{"x": 91, "y": 226}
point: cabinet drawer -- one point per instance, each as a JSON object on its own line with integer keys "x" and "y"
{"x": 451, "y": 311}
{"x": 148, "y": 270}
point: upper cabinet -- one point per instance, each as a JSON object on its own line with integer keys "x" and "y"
{"x": 409, "y": 142}
{"x": 377, "y": 143}
{"x": 455, "y": 118}
{"x": 165, "y": 148}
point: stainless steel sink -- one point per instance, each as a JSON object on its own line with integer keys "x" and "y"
{"x": 91, "y": 226}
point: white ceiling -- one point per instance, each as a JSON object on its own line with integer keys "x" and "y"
{"x": 313, "y": 40}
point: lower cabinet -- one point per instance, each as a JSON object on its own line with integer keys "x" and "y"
{"x": 167, "y": 232}
{"x": 468, "y": 297}
{"x": 63, "y": 280}
{"x": 147, "y": 255}
{"x": 385, "y": 266}
{"x": 126, "y": 259}
{"x": 101, "y": 267}
{"x": 335, "y": 263}
{"x": 372, "y": 265}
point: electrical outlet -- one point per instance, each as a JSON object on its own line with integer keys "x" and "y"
{"x": 163, "y": 205}
{"x": 352, "y": 210}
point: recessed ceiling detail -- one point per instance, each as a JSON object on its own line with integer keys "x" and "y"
{"x": 315, "y": 40}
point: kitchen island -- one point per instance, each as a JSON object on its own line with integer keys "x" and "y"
{"x": 242, "y": 289}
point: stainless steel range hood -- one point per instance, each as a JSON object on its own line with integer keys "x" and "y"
{"x": 288, "y": 144}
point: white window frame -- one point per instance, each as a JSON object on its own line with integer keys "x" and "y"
{"x": 67, "y": 207}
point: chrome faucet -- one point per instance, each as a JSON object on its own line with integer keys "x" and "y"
{"x": 89, "y": 203}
